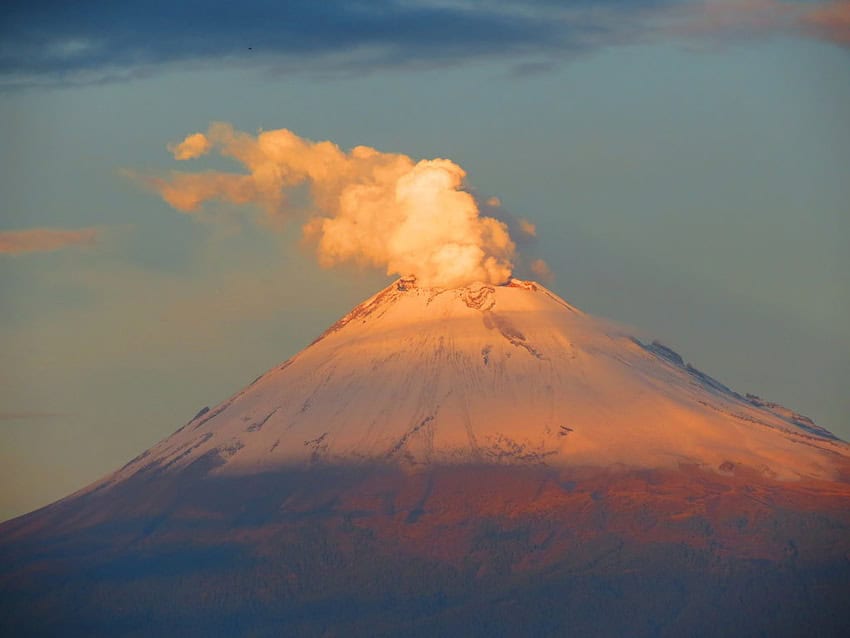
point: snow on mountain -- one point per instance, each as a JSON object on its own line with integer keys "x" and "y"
{"x": 490, "y": 374}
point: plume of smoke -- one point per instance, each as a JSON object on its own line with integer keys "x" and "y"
{"x": 381, "y": 209}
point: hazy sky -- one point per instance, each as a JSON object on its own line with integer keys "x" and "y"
{"x": 687, "y": 166}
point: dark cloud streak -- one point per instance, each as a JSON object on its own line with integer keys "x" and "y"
{"x": 95, "y": 40}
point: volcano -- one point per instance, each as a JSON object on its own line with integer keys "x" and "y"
{"x": 486, "y": 460}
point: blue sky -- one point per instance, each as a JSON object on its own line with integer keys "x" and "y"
{"x": 687, "y": 167}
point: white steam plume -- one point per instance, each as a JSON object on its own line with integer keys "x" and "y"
{"x": 380, "y": 209}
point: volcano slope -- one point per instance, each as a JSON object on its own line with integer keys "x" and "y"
{"x": 480, "y": 461}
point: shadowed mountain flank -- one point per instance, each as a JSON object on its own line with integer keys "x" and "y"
{"x": 454, "y": 550}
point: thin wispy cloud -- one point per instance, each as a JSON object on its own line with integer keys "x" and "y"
{"x": 41, "y": 240}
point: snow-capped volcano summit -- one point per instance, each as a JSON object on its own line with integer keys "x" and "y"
{"x": 490, "y": 374}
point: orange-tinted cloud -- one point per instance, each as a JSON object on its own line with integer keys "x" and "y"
{"x": 380, "y": 209}
{"x": 747, "y": 18}
{"x": 741, "y": 17}
{"x": 192, "y": 147}
{"x": 527, "y": 227}
{"x": 830, "y": 21}
{"x": 188, "y": 191}
{"x": 35, "y": 240}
